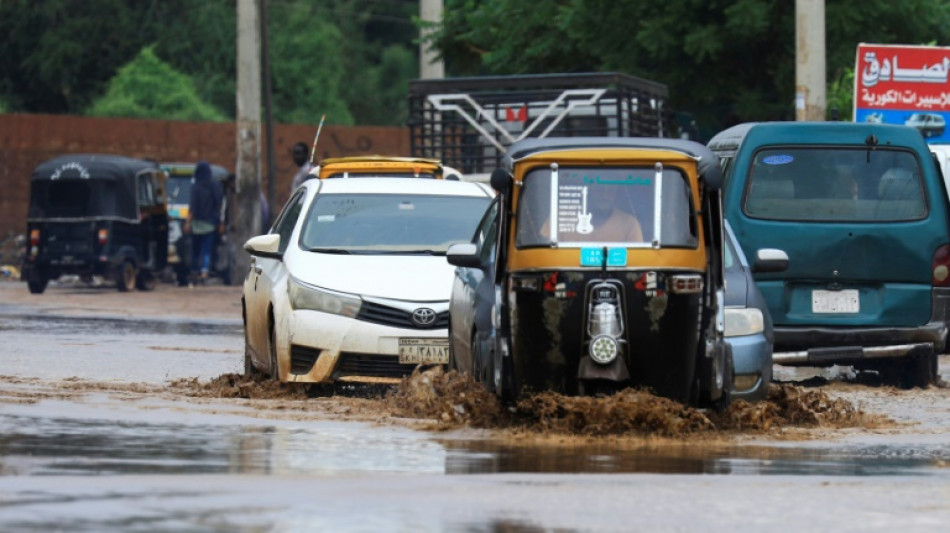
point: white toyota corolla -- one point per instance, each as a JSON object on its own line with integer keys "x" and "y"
{"x": 351, "y": 283}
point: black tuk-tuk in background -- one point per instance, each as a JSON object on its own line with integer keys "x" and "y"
{"x": 96, "y": 215}
{"x": 598, "y": 266}
{"x": 180, "y": 180}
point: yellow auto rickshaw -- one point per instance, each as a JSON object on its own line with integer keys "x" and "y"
{"x": 598, "y": 266}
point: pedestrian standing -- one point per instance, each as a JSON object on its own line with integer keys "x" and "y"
{"x": 303, "y": 166}
{"x": 203, "y": 221}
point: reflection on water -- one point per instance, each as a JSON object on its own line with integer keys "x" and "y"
{"x": 475, "y": 457}
{"x": 43, "y": 446}
{"x": 111, "y": 326}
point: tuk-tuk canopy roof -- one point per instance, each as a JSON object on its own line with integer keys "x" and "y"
{"x": 87, "y": 185}
{"x": 707, "y": 162}
{"x": 374, "y": 163}
{"x": 92, "y": 166}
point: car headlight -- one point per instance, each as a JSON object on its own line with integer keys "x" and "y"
{"x": 304, "y": 296}
{"x": 745, "y": 321}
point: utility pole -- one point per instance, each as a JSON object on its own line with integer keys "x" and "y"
{"x": 810, "y": 84}
{"x": 248, "y": 215}
{"x": 429, "y": 66}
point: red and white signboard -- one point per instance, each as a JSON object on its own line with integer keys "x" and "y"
{"x": 899, "y": 84}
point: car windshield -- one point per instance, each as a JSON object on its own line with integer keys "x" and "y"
{"x": 836, "y": 185}
{"x": 390, "y": 223}
{"x": 605, "y": 205}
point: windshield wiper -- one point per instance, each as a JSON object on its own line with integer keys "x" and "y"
{"x": 340, "y": 251}
{"x": 413, "y": 252}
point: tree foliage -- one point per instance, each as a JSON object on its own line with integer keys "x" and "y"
{"x": 350, "y": 59}
{"x": 723, "y": 60}
{"x": 148, "y": 88}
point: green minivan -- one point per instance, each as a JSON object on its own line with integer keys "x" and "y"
{"x": 862, "y": 213}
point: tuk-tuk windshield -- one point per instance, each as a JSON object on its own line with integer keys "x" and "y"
{"x": 606, "y": 205}
{"x": 80, "y": 198}
{"x": 179, "y": 189}
{"x": 835, "y": 184}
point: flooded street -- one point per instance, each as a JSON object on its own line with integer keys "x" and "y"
{"x": 123, "y": 412}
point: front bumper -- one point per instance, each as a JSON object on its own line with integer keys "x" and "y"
{"x": 752, "y": 361}
{"x": 322, "y": 348}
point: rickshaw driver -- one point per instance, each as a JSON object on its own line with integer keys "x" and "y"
{"x": 608, "y": 220}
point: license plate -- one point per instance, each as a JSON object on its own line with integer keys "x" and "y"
{"x": 422, "y": 351}
{"x": 845, "y": 301}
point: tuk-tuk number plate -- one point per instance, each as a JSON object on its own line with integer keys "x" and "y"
{"x": 423, "y": 351}
{"x": 616, "y": 257}
{"x": 845, "y": 301}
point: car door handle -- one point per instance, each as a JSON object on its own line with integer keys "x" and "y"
{"x": 257, "y": 269}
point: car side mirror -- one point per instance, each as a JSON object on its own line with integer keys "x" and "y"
{"x": 500, "y": 180}
{"x": 264, "y": 246}
{"x": 770, "y": 260}
{"x": 463, "y": 254}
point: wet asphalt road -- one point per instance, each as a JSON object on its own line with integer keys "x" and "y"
{"x": 108, "y": 463}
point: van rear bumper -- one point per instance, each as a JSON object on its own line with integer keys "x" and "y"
{"x": 804, "y": 345}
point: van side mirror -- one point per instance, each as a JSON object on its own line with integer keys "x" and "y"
{"x": 770, "y": 260}
{"x": 264, "y": 246}
{"x": 464, "y": 254}
{"x": 500, "y": 180}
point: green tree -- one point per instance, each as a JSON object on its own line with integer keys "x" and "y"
{"x": 724, "y": 60}
{"x": 56, "y": 55}
{"x": 149, "y": 88}
{"x": 308, "y": 65}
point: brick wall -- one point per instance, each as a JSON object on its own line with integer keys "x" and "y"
{"x": 27, "y": 140}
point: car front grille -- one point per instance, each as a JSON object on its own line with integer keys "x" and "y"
{"x": 390, "y": 316}
{"x": 370, "y": 364}
{"x": 302, "y": 358}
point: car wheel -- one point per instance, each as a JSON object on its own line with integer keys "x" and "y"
{"x": 145, "y": 281}
{"x": 37, "y": 285}
{"x": 481, "y": 370}
{"x": 728, "y": 380}
{"x": 453, "y": 363}
{"x": 126, "y": 276}
{"x": 272, "y": 368}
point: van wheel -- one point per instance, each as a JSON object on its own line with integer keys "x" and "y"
{"x": 145, "y": 281}
{"x": 126, "y": 276}
{"x": 37, "y": 286}
{"x": 918, "y": 371}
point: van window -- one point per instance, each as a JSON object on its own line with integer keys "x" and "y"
{"x": 835, "y": 185}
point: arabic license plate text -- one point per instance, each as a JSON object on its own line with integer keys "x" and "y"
{"x": 423, "y": 351}
{"x": 845, "y": 301}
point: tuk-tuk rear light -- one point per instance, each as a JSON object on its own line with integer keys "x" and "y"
{"x": 527, "y": 283}
{"x": 941, "y": 267}
{"x": 686, "y": 283}
{"x": 34, "y": 237}
{"x": 103, "y": 236}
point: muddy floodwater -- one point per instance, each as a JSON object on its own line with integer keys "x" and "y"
{"x": 114, "y": 419}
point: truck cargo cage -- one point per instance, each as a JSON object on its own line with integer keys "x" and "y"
{"x": 468, "y": 123}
